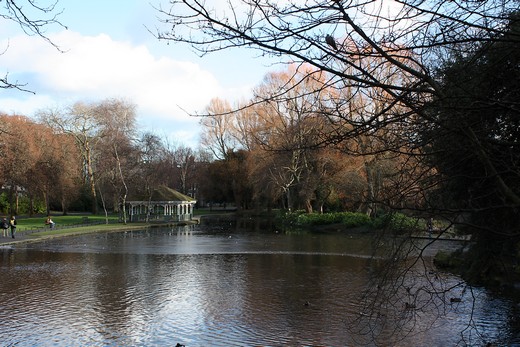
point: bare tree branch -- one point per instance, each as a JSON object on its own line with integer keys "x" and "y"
{"x": 33, "y": 18}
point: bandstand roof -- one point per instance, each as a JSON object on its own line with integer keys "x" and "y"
{"x": 163, "y": 194}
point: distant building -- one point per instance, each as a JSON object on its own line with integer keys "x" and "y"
{"x": 165, "y": 205}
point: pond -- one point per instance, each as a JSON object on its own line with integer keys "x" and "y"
{"x": 222, "y": 286}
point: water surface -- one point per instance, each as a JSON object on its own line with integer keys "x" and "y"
{"x": 214, "y": 286}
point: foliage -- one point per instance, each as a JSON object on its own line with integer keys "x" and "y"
{"x": 41, "y": 164}
{"x": 474, "y": 134}
{"x": 348, "y": 219}
{"x": 24, "y": 205}
{"x": 474, "y": 142}
{"x": 4, "y": 203}
{"x": 102, "y": 130}
{"x": 397, "y": 222}
{"x": 83, "y": 201}
{"x": 288, "y": 218}
{"x": 376, "y": 91}
{"x": 302, "y": 219}
{"x": 225, "y": 180}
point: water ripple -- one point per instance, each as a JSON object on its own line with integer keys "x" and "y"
{"x": 157, "y": 289}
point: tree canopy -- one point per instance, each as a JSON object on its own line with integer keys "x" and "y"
{"x": 395, "y": 54}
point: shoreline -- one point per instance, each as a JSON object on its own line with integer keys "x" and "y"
{"x": 24, "y": 237}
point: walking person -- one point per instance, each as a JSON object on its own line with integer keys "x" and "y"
{"x": 429, "y": 225}
{"x": 12, "y": 224}
{"x": 4, "y": 226}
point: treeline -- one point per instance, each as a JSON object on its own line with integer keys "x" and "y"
{"x": 87, "y": 157}
{"x": 290, "y": 148}
{"x": 91, "y": 157}
{"x": 275, "y": 154}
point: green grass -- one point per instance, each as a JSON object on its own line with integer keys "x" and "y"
{"x": 35, "y": 223}
{"x": 25, "y": 223}
{"x": 34, "y": 228}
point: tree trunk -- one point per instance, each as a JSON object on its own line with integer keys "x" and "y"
{"x": 308, "y": 206}
{"x": 122, "y": 177}
{"x": 46, "y": 199}
{"x": 92, "y": 183}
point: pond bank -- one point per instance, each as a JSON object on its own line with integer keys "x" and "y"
{"x": 48, "y": 234}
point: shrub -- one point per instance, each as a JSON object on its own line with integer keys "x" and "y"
{"x": 397, "y": 222}
{"x": 355, "y": 219}
{"x": 348, "y": 219}
{"x": 287, "y": 218}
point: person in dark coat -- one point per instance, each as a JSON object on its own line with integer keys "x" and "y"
{"x": 4, "y": 225}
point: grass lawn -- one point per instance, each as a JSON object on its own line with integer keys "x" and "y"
{"x": 80, "y": 223}
{"x": 34, "y": 228}
{"x": 35, "y": 223}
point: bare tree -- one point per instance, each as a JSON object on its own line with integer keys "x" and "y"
{"x": 33, "y": 17}
{"x": 81, "y": 123}
{"x": 154, "y": 165}
{"x": 353, "y": 41}
{"x": 185, "y": 159}
{"x": 411, "y": 38}
{"x": 117, "y": 130}
{"x": 217, "y": 130}
{"x": 109, "y": 122}
{"x": 296, "y": 30}
{"x": 412, "y": 42}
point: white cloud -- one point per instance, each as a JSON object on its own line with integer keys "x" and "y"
{"x": 25, "y": 106}
{"x": 96, "y": 68}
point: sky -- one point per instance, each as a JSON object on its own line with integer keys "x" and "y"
{"x": 107, "y": 51}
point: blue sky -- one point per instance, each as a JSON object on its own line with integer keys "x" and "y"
{"x": 110, "y": 53}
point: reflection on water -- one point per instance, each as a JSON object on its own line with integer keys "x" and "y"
{"x": 214, "y": 287}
